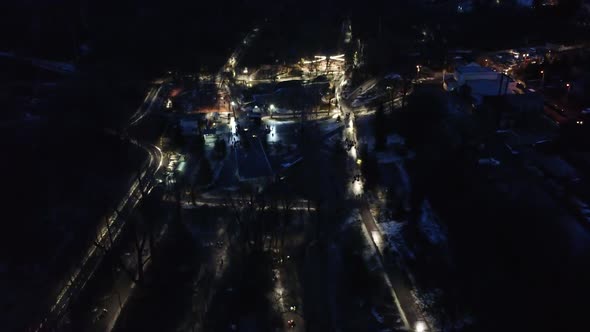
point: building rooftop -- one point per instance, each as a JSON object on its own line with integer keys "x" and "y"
{"x": 488, "y": 87}
{"x": 473, "y": 68}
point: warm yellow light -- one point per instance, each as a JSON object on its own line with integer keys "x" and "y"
{"x": 420, "y": 327}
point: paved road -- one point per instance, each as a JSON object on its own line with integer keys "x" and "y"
{"x": 91, "y": 260}
{"x": 151, "y": 101}
{"x": 252, "y": 161}
{"x": 393, "y": 275}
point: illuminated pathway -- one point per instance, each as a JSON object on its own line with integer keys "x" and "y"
{"x": 393, "y": 277}
{"x": 91, "y": 260}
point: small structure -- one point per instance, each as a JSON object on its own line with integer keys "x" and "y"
{"x": 255, "y": 114}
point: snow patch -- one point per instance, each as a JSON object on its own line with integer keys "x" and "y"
{"x": 430, "y": 226}
{"x": 389, "y": 157}
{"x": 393, "y": 76}
{"x": 353, "y": 218}
{"x": 331, "y": 127}
{"x": 424, "y": 301}
{"x": 378, "y": 317}
{"x": 392, "y": 232}
{"x": 395, "y": 139}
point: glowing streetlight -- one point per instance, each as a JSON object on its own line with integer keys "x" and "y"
{"x": 420, "y": 326}
{"x": 233, "y": 103}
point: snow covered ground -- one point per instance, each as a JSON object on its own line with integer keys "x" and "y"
{"x": 391, "y": 157}
{"x": 430, "y": 225}
{"x": 353, "y": 219}
{"x": 393, "y": 236}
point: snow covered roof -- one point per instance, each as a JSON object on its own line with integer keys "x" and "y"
{"x": 484, "y": 87}
{"x": 473, "y": 68}
{"x": 393, "y": 76}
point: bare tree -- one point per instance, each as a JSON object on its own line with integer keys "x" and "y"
{"x": 286, "y": 201}
{"x": 143, "y": 233}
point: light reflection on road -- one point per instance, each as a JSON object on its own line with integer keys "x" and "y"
{"x": 273, "y": 136}
{"x": 232, "y": 125}
{"x": 132, "y": 199}
{"x": 356, "y": 188}
{"x": 352, "y": 153}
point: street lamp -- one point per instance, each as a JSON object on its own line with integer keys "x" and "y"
{"x": 271, "y": 108}
{"x": 417, "y": 70}
{"x": 567, "y": 95}
{"x": 420, "y": 326}
{"x": 542, "y": 78}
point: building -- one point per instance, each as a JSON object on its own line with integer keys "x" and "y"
{"x": 479, "y": 81}
{"x": 473, "y": 71}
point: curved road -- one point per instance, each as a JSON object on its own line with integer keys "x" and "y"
{"x": 89, "y": 263}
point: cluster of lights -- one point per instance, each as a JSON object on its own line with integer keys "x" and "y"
{"x": 320, "y": 58}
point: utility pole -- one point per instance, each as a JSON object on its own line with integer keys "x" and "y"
{"x": 405, "y": 92}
